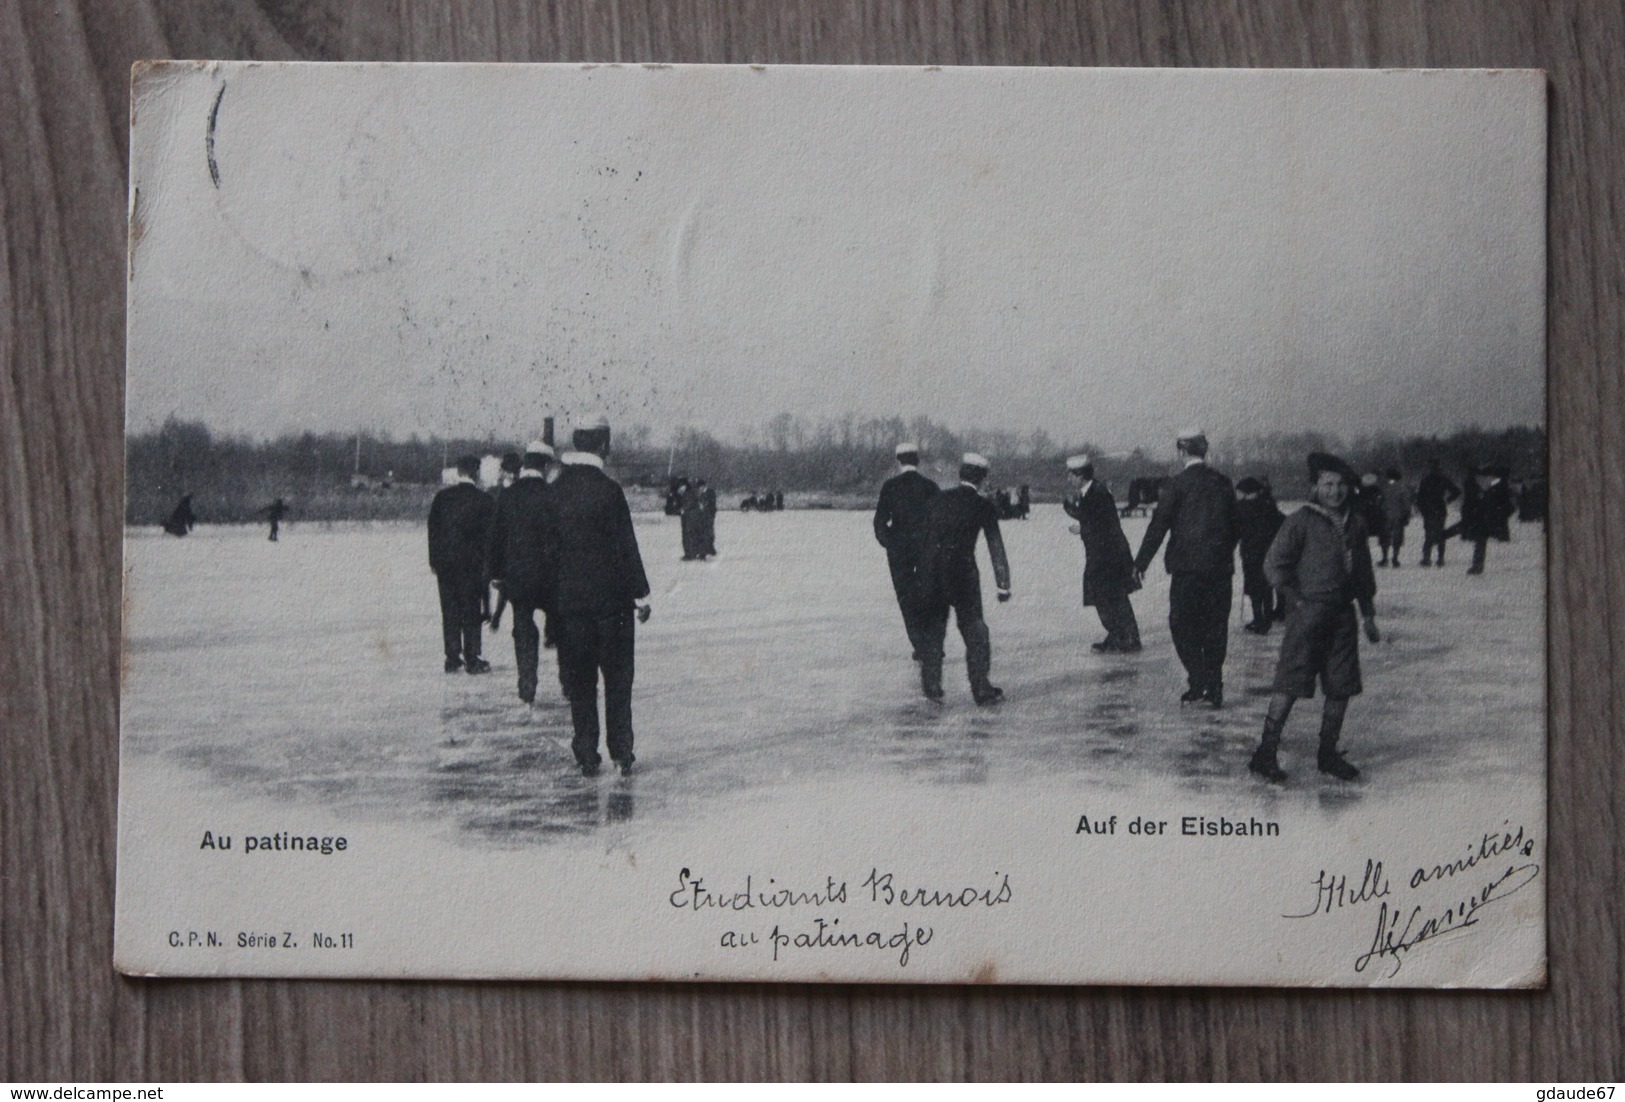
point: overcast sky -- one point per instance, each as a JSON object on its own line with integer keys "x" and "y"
{"x": 1108, "y": 255}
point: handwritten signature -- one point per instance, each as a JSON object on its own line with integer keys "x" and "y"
{"x": 1400, "y": 927}
{"x": 1399, "y": 931}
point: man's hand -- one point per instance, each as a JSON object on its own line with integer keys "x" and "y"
{"x": 1004, "y": 595}
{"x": 1371, "y": 631}
{"x": 644, "y": 612}
{"x": 1075, "y": 528}
{"x": 1139, "y": 575}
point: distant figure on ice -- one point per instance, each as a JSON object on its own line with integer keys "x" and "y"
{"x": 1258, "y": 518}
{"x": 1024, "y": 501}
{"x": 1532, "y": 501}
{"x": 1433, "y": 498}
{"x": 459, "y": 540}
{"x": 519, "y": 568}
{"x": 708, "y": 520}
{"x": 1371, "y": 504}
{"x": 1485, "y": 510}
{"x": 181, "y": 519}
{"x": 1108, "y": 564}
{"x": 600, "y": 593}
{"x": 1196, "y": 510}
{"x": 900, "y": 527}
{"x": 674, "y": 496}
{"x": 951, "y": 580}
{"x": 692, "y": 520}
{"x": 1321, "y": 561}
{"x": 1396, "y": 508}
{"x": 274, "y": 513}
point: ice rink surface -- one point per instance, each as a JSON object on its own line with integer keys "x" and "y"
{"x": 308, "y": 671}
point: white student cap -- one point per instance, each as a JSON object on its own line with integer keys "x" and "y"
{"x": 1190, "y": 433}
{"x": 594, "y": 421}
{"x": 973, "y": 460}
{"x": 908, "y": 447}
{"x": 540, "y": 447}
{"x": 1077, "y": 462}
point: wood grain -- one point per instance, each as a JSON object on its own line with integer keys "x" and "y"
{"x": 64, "y": 68}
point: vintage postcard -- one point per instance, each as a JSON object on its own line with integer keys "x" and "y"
{"x": 845, "y": 524}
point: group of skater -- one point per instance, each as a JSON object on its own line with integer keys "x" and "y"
{"x": 695, "y": 504}
{"x": 554, "y": 539}
{"x": 1313, "y": 570}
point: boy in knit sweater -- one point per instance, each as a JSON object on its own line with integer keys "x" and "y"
{"x": 1321, "y": 561}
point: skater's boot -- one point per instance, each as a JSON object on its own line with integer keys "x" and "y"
{"x": 931, "y": 677}
{"x": 1263, "y": 761}
{"x": 1329, "y": 760}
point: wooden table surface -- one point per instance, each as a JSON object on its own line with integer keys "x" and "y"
{"x": 64, "y": 74}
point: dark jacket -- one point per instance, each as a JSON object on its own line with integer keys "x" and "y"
{"x": 1108, "y": 565}
{"x": 1372, "y": 505}
{"x": 518, "y": 544}
{"x": 460, "y": 532}
{"x": 1434, "y": 495}
{"x": 1196, "y": 510}
{"x": 1312, "y": 560}
{"x": 1484, "y": 513}
{"x": 956, "y": 518}
{"x": 901, "y": 515}
{"x": 591, "y": 549}
{"x": 1258, "y": 519}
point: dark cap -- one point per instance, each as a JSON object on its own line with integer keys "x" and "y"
{"x": 1320, "y": 462}
{"x": 1250, "y": 485}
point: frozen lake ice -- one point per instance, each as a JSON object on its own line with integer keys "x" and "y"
{"x": 309, "y": 671}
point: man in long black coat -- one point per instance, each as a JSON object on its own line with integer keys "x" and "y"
{"x": 519, "y": 566}
{"x": 1258, "y": 519}
{"x": 1108, "y": 565}
{"x": 1433, "y": 497}
{"x": 956, "y": 518}
{"x": 599, "y": 593}
{"x": 708, "y": 519}
{"x": 900, "y": 527}
{"x": 1485, "y": 510}
{"x": 459, "y": 543}
{"x": 1196, "y": 511}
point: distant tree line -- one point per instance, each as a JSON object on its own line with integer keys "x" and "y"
{"x": 369, "y": 475}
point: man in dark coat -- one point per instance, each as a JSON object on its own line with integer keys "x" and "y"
{"x": 274, "y": 513}
{"x": 1433, "y": 497}
{"x": 900, "y": 527}
{"x": 1108, "y": 564}
{"x": 519, "y": 567}
{"x": 181, "y": 519}
{"x": 692, "y": 520}
{"x": 951, "y": 581}
{"x": 1396, "y": 505}
{"x": 1196, "y": 510}
{"x": 708, "y": 520}
{"x": 1321, "y": 560}
{"x": 1485, "y": 510}
{"x": 1372, "y": 504}
{"x": 1258, "y": 518}
{"x": 599, "y": 593}
{"x": 459, "y": 542}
